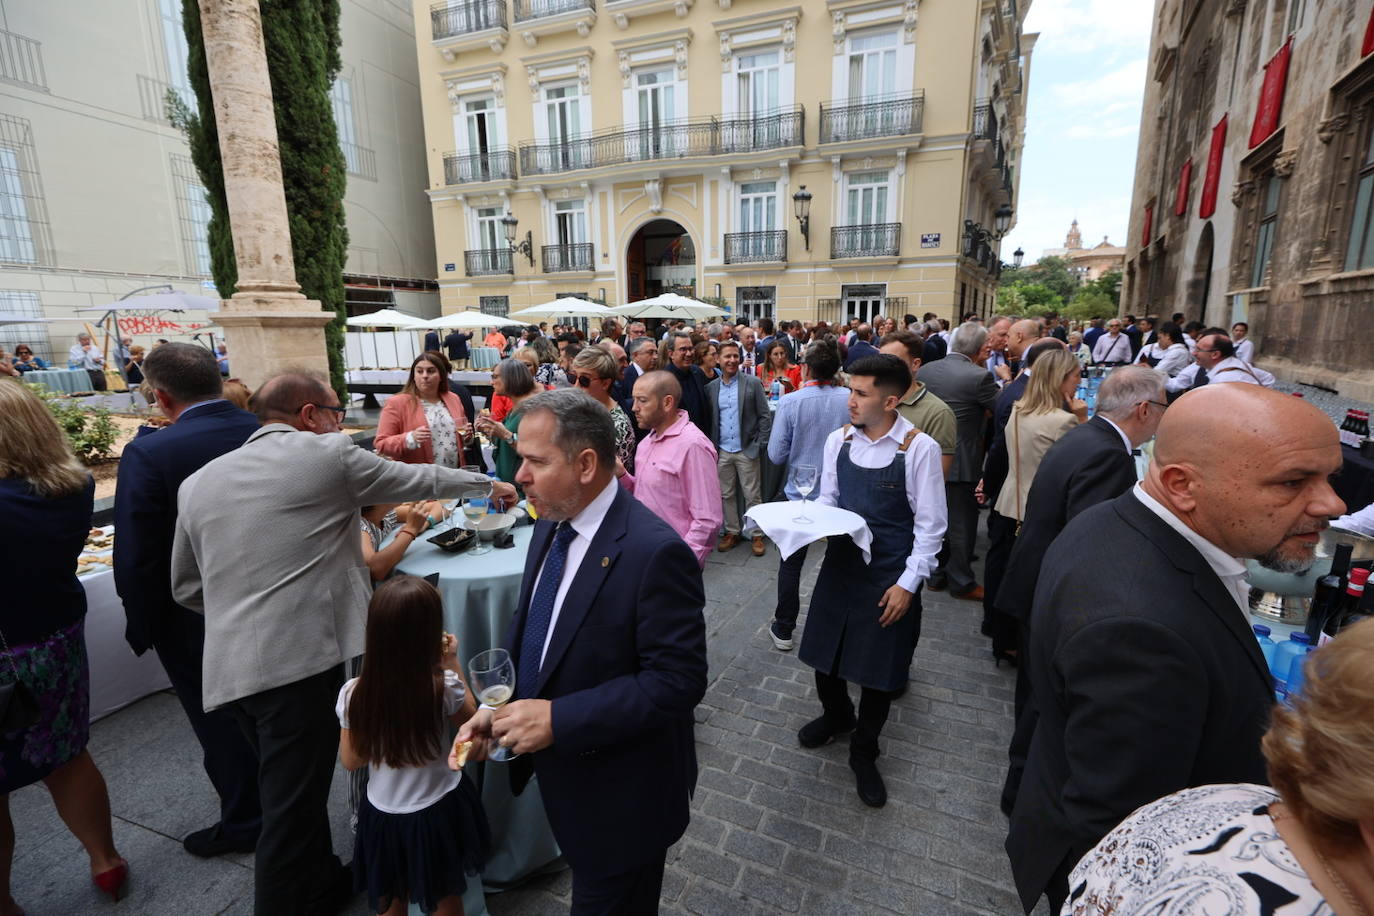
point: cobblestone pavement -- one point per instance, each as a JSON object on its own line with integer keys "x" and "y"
{"x": 775, "y": 828}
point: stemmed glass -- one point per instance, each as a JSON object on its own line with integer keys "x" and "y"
{"x": 804, "y": 479}
{"x": 492, "y": 675}
{"x": 474, "y": 508}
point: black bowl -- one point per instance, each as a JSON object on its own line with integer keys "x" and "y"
{"x": 454, "y": 540}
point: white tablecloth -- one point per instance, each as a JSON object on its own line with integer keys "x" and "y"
{"x": 777, "y": 521}
{"x": 118, "y": 677}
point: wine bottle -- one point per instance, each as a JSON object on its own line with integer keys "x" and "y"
{"x": 1348, "y": 608}
{"x": 1328, "y": 594}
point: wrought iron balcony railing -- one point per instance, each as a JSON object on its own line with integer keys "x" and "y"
{"x": 526, "y": 10}
{"x": 492, "y": 165}
{"x": 867, "y": 241}
{"x": 466, "y": 16}
{"x": 886, "y": 117}
{"x": 750, "y": 247}
{"x": 487, "y": 262}
{"x": 984, "y": 121}
{"x": 669, "y": 140}
{"x": 571, "y": 256}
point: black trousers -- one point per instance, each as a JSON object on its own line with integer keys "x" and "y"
{"x": 1001, "y": 539}
{"x": 873, "y": 709}
{"x": 789, "y": 590}
{"x": 1027, "y": 717}
{"x": 229, "y": 759}
{"x": 296, "y": 735}
{"x": 630, "y": 893}
{"x": 98, "y": 381}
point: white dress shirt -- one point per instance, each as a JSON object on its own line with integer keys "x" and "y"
{"x": 1229, "y": 570}
{"x": 1112, "y": 349}
{"x": 1172, "y": 359}
{"x": 1245, "y": 350}
{"x": 925, "y": 488}
{"x": 1232, "y": 369}
{"x": 586, "y": 523}
{"x": 78, "y": 357}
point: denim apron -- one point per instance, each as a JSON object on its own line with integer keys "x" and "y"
{"x": 842, "y": 635}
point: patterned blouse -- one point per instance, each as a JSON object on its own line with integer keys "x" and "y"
{"x": 624, "y": 438}
{"x": 443, "y": 436}
{"x": 1209, "y": 851}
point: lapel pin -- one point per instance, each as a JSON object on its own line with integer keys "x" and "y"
{"x": 605, "y": 561}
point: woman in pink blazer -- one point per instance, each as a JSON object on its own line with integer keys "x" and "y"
{"x": 425, "y": 423}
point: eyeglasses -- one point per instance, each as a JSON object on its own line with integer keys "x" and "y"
{"x": 585, "y": 381}
{"x": 338, "y": 410}
{"x": 1160, "y": 404}
{"x": 1205, "y": 350}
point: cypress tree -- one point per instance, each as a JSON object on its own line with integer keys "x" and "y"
{"x": 302, "y": 43}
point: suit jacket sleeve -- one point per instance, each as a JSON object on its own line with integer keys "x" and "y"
{"x": 141, "y": 512}
{"x": 759, "y": 402}
{"x": 372, "y": 480}
{"x": 988, "y": 391}
{"x": 1105, "y": 476}
{"x": 670, "y": 638}
{"x": 391, "y": 431}
{"x": 1134, "y": 693}
{"x": 713, "y": 411}
{"x": 187, "y": 587}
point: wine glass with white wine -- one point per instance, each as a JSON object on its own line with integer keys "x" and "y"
{"x": 492, "y": 675}
{"x": 474, "y": 509}
{"x": 804, "y": 479}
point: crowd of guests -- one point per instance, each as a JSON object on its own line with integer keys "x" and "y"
{"x": 640, "y": 455}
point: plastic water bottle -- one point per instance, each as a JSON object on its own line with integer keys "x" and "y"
{"x": 775, "y": 390}
{"x": 1267, "y": 645}
{"x": 1297, "y": 644}
{"x": 1297, "y": 675}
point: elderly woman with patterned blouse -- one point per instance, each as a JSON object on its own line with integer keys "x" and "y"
{"x": 1304, "y": 846}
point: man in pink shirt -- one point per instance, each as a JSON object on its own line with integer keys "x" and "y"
{"x": 676, "y": 465}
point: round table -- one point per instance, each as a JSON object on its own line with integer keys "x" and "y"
{"x": 480, "y": 594}
{"x": 484, "y": 357}
{"x": 64, "y": 381}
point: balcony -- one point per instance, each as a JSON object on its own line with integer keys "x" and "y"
{"x": 493, "y": 165}
{"x": 359, "y": 160}
{"x": 984, "y": 121}
{"x": 488, "y": 262}
{"x": 875, "y": 240}
{"x": 547, "y": 17}
{"x": 672, "y": 140}
{"x": 888, "y": 117}
{"x": 467, "y": 24}
{"x": 572, "y": 256}
{"x": 755, "y": 247}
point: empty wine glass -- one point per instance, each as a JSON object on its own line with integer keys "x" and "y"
{"x": 492, "y": 675}
{"x": 804, "y": 479}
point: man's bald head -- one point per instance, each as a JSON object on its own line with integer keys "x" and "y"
{"x": 1022, "y": 334}
{"x": 1247, "y": 468}
{"x": 282, "y": 397}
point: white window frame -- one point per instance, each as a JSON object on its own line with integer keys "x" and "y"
{"x": 904, "y": 67}
{"x": 17, "y": 245}
{"x": 175, "y": 51}
{"x": 461, "y": 140}
{"x": 743, "y": 197}
{"x": 198, "y": 221}
{"x": 888, "y": 196}
{"x": 498, "y": 240}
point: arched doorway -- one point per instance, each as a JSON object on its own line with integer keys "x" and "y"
{"x": 1200, "y": 283}
{"x": 661, "y": 258}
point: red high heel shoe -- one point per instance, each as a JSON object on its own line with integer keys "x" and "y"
{"x": 114, "y": 881}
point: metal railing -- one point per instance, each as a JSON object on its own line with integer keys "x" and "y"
{"x": 539, "y": 9}
{"x": 984, "y": 121}
{"x": 669, "y": 140}
{"x": 749, "y": 247}
{"x": 486, "y": 262}
{"x": 461, "y": 18}
{"x": 359, "y": 160}
{"x": 21, "y": 61}
{"x": 869, "y": 241}
{"x": 570, "y": 256}
{"x": 152, "y": 96}
{"x": 886, "y": 117}
{"x": 493, "y": 165}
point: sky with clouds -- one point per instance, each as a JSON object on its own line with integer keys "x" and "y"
{"x": 1082, "y": 122}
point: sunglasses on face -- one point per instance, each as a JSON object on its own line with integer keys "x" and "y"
{"x": 584, "y": 381}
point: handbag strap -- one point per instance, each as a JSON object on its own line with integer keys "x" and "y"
{"x": 1016, "y": 433}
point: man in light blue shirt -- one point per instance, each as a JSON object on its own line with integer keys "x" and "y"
{"x": 738, "y": 422}
{"x": 803, "y": 421}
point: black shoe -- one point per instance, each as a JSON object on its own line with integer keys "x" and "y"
{"x": 209, "y": 843}
{"x": 336, "y": 895}
{"x": 937, "y": 582}
{"x": 868, "y": 782}
{"x": 822, "y": 731}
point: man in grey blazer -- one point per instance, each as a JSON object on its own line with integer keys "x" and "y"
{"x": 961, "y": 382}
{"x": 267, "y": 548}
{"x": 739, "y": 421}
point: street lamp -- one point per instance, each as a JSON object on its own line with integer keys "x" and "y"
{"x": 1018, "y": 255}
{"x": 801, "y": 205}
{"x": 1001, "y": 220}
{"x": 526, "y": 246}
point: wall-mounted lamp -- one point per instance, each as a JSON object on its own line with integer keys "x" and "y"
{"x": 801, "y": 205}
{"x": 526, "y": 246}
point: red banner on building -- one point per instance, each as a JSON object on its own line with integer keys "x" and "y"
{"x": 1271, "y": 95}
{"x": 1368, "y": 45}
{"x": 1149, "y": 226}
{"x": 1208, "y": 205}
{"x": 1185, "y": 179}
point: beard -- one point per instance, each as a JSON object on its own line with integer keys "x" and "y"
{"x": 1292, "y": 559}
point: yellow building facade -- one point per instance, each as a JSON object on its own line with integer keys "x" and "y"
{"x": 616, "y": 149}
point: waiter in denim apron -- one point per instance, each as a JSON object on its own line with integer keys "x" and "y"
{"x": 865, "y": 618}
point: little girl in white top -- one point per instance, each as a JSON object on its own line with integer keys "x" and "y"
{"x": 421, "y": 828}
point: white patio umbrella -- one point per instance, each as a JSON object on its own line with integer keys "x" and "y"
{"x": 174, "y": 301}
{"x": 566, "y": 306}
{"x": 16, "y": 318}
{"x": 670, "y": 305}
{"x": 385, "y": 318}
{"x": 467, "y": 321}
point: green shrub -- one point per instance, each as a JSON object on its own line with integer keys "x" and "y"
{"x": 91, "y": 433}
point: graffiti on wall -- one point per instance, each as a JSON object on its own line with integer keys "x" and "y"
{"x": 132, "y": 325}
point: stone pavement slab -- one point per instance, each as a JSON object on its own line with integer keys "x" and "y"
{"x": 775, "y": 828}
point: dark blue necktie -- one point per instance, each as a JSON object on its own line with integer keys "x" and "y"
{"x": 541, "y": 612}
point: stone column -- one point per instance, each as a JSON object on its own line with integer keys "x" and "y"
{"x": 269, "y": 324}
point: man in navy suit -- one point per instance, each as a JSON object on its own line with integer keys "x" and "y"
{"x": 187, "y": 384}
{"x": 861, "y": 347}
{"x": 610, "y": 650}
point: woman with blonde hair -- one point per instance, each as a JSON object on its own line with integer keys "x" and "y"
{"x": 49, "y": 496}
{"x": 1304, "y": 846}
